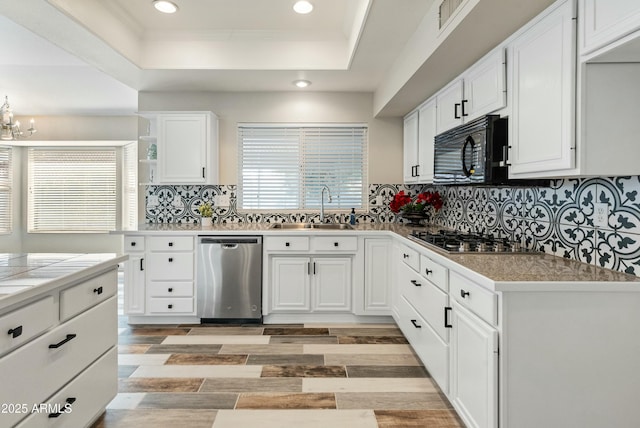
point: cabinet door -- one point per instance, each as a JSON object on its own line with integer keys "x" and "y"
{"x": 331, "y": 284}
{"x": 541, "y": 126}
{"x": 410, "y": 139}
{"x": 449, "y": 113}
{"x": 474, "y": 368}
{"x": 134, "y": 284}
{"x": 182, "y": 148}
{"x": 426, "y": 135}
{"x": 290, "y": 284}
{"x": 377, "y": 276}
{"x": 604, "y": 21}
{"x": 484, "y": 87}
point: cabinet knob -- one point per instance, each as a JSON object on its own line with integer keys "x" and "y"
{"x": 463, "y": 293}
{"x": 98, "y": 290}
{"x": 287, "y": 244}
{"x": 170, "y": 306}
{"x": 15, "y": 332}
{"x": 335, "y": 244}
{"x": 170, "y": 290}
{"x": 133, "y": 244}
{"x": 428, "y": 271}
{"x": 170, "y": 259}
{"x": 405, "y": 256}
{"x": 171, "y": 244}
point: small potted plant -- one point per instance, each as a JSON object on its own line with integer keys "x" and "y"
{"x": 206, "y": 211}
{"x": 418, "y": 209}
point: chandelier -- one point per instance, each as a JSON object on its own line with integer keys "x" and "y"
{"x": 10, "y": 130}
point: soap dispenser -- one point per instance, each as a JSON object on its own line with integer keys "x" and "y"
{"x": 352, "y": 216}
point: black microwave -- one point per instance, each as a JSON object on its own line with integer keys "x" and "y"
{"x": 473, "y": 153}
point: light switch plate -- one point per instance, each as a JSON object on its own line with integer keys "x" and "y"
{"x": 222, "y": 200}
{"x": 600, "y": 214}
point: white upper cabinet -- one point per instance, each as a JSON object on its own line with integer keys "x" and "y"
{"x": 605, "y": 21}
{"x": 479, "y": 91}
{"x": 426, "y": 134}
{"x": 410, "y": 155}
{"x": 188, "y": 148}
{"x": 484, "y": 86}
{"x": 449, "y": 101}
{"x": 542, "y": 96}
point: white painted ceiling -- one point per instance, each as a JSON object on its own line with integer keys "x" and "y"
{"x": 93, "y": 56}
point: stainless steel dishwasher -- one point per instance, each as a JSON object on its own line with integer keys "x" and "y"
{"x": 229, "y": 279}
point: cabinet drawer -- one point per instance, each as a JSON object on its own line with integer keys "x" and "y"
{"x": 170, "y": 266}
{"x": 133, "y": 244}
{"x": 335, "y": 243}
{"x": 40, "y": 370}
{"x": 428, "y": 300}
{"x": 432, "y": 351}
{"x": 434, "y": 272}
{"x": 410, "y": 257}
{"x": 286, "y": 243}
{"x": 171, "y": 243}
{"x": 80, "y": 400}
{"x": 78, "y": 298}
{"x": 170, "y": 289}
{"x": 477, "y": 299}
{"x": 168, "y": 305}
{"x": 26, "y": 323}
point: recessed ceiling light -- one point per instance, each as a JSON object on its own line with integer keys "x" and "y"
{"x": 301, "y": 83}
{"x": 303, "y": 6}
{"x": 165, "y": 6}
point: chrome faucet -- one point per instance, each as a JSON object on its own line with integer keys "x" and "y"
{"x": 322, "y": 202}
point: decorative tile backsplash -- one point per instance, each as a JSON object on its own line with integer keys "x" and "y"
{"x": 558, "y": 219}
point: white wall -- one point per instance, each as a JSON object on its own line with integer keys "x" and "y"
{"x": 385, "y": 134}
{"x": 62, "y": 128}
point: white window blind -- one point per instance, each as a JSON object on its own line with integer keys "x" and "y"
{"x": 72, "y": 190}
{"x": 130, "y": 186}
{"x": 286, "y": 167}
{"x": 6, "y": 175}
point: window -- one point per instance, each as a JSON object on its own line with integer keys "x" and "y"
{"x": 286, "y": 167}
{"x": 6, "y": 175}
{"x": 80, "y": 189}
{"x": 130, "y": 186}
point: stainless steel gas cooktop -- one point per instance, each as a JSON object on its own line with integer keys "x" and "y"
{"x": 460, "y": 242}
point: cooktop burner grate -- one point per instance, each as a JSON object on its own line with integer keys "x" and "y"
{"x": 459, "y": 242}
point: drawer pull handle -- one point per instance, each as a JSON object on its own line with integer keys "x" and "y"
{"x": 287, "y": 244}
{"x": 416, "y": 283}
{"x": 170, "y": 306}
{"x": 335, "y": 244}
{"x": 171, "y": 244}
{"x": 68, "y": 401}
{"x": 170, "y": 290}
{"x": 170, "y": 259}
{"x": 428, "y": 271}
{"x": 405, "y": 256}
{"x": 463, "y": 293}
{"x": 415, "y": 324}
{"x": 59, "y": 344}
{"x": 141, "y": 264}
{"x": 447, "y": 324}
{"x": 15, "y": 332}
{"x": 98, "y": 290}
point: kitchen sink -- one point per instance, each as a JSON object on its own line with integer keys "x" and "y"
{"x": 326, "y": 226}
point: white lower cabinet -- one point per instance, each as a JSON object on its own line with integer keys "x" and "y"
{"x": 377, "y": 276}
{"x": 311, "y": 284}
{"x": 474, "y": 368}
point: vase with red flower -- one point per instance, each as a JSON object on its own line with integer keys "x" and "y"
{"x": 417, "y": 209}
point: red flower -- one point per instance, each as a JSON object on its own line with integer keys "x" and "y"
{"x": 403, "y": 202}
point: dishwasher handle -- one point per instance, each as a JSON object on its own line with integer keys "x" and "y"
{"x": 231, "y": 242}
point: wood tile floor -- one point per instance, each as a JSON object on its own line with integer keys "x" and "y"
{"x": 302, "y": 376}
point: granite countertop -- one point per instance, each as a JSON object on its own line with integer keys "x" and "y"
{"x": 23, "y": 275}
{"x": 499, "y": 272}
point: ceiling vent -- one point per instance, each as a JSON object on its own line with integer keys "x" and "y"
{"x": 447, "y": 9}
